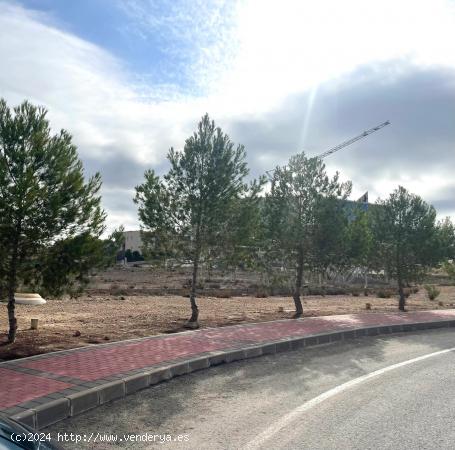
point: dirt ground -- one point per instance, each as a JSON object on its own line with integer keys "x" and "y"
{"x": 97, "y": 318}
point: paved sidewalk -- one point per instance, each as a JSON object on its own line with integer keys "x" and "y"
{"x": 49, "y": 387}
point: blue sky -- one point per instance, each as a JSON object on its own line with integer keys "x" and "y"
{"x": 131, "y": 78}
{"x": 152, "y": 54}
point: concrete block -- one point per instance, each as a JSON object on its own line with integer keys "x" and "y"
{"x": 217, "y": 358}
{"x": 180, "y": 369}
{"x": 158, "y": 375}
{"x": 199, "y": 363}
{"x": 396, "y": 328}
{"x": 349, "y": 334}
{"x": 269, "y": 349}
{"x": 324, "y": 339}
{"x": 373, "y": 331}
{"x": 384, "y": 330}
{"x": 283, "y": 346}
{"x": 51, "y": 412}
{"x": 83, "y": 401}
{"x": 27, "y": 418}
{"x": 311, "y": 341}
{"x": 253, "y": 352}
{"x": 137, "y": 382}
{"x": 236, "y": 355}
{"x": 111, "y": 391}
{"x": 336, "y": 337}
{"x": 297, "y": 343}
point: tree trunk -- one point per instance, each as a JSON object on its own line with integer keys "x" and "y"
{"x": 12, "y": 289}
{"x": 193, "y": 322}
{"x": 402, "y": 299}
{"x": 298, "y": 286}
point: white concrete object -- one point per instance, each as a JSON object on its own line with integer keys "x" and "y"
{"x": 133, "y": 241}
{"x": 28, "y": 299}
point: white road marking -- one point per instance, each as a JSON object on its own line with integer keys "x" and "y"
{"x": 261, "y": 438}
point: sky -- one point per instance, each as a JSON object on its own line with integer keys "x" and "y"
{"x": 131, "y": 78}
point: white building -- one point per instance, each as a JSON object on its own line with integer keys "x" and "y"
{"x": 133, "y": 241}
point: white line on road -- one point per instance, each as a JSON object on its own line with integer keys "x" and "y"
{"x": 261, "y": 438}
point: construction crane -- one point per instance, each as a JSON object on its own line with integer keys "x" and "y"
{"x": 348, "y": 142}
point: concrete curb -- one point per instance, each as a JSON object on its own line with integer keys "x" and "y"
{"x": 76, "y": 403}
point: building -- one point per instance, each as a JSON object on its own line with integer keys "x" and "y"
{"x": 133, "y": 241}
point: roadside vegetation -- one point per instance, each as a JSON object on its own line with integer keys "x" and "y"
{"x": 296, "y": 228}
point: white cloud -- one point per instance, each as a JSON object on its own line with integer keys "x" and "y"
{"x": 86, "y": 90}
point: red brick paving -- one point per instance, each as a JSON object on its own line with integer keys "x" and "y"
{"x": 103, "y": 362}
{"x": 125, "y": 356}
{"x": 17, "y": 387}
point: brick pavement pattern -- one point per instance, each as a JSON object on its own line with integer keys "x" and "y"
{"x": 30, "y": 382}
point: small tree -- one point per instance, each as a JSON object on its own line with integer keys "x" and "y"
{"x": 243, "y": 230}
{"x": 360, "y": 243}
{"x": 113, "y": 245}
{"x": 404, "y": 228}
{"x": 159, "y": 218}
{"x": 300, "y": 191}
{"x": 446, "y": 244}
{"x": 64, "y": 266}
{"x": 191, "y": 204}
{"x": 329, "y": 247}
{"x": 43, "y": 195}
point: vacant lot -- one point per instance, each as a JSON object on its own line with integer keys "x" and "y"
{"x": 112, "y": 315}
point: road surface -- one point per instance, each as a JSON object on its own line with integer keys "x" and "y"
{"x": 371, "y": 393}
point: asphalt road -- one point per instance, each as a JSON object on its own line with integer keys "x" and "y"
{"x": 395, "y": 397}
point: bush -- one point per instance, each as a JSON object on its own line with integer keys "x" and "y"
{"x": 383, "y": 294}
{"x": 222, "y": 293}
{"x": 407, "y": 293}
{"x": 432, "y": 291}
{"x": 315, "y": 290}
{"x": 261, "y": 294}
{"x": 336, "y": 291}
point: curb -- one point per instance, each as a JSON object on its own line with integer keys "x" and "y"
{"x": 73, "y": 404}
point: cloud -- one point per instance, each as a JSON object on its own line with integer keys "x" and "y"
{"x": 195, "y": 41}
{"x": 88, "y": 92}
{"x": 416, "y": 150}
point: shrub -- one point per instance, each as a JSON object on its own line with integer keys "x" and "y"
{"x": 261, "y": 292}
{"x": 222, "y": 293}
{"x": 383, "y": 294}
{"x": 432, "y": 291}
{"x": 336, "y": 291}
{"x": 315, "y": 290}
